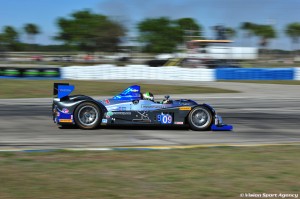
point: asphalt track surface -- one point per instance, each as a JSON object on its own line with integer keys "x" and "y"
{"x": 260, "y": 114}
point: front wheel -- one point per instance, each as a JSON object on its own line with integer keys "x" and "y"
{"x": 88, "y": 115}
{"x": 200, "y": 118}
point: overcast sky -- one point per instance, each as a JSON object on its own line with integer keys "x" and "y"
{"x": 206, "y": 12}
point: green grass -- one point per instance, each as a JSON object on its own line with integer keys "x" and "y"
{"x": 284, "y": 82}
{"x": 268, "y": 65}
{"x": 44, "y": 88}
{"x": 221, "y": 172}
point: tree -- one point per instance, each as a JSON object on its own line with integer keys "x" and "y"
{"x": 10, "y": 34}
{"x": 162, "y": 35}
{"x": 230, "y": 32}
{"x": 10, "y": 38}
{"x": 223, "y": 32}
{"x": 292, "y": 30}
{"x": 189, "y": 28}
{"x": 264, "y": 32}
{"x": 31, "y": 30}
{"x": 247, "y": 27}
{"x": 90, "y": 31}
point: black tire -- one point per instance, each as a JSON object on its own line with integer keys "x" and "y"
{"x": 200, "y": 118}
{"x": 88, "y": 115}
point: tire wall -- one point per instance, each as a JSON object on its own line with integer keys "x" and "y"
{"x": 30, "y": 73}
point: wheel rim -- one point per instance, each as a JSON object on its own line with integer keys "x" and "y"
{"x": 88, "y": 115}
{"x": 200, "y": 118}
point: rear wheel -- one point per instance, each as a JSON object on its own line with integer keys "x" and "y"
{"x": 200, "y": 118}
{"x": 88, "y": 115}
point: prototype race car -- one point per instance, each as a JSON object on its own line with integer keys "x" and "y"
{"x": 131, "y": 108}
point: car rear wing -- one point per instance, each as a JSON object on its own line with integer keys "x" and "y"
{"x": 62, "y": 89}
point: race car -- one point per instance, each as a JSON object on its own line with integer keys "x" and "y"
{"x": 131, "y": 107}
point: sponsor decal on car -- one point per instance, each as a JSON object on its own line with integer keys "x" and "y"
{"x": 109, "y": 113}
{"x": 65, "y": 121}
{"x": 107, "y": 101}
{"x": 112, "y": 108}
{"x": 178, "y": 123}
{"x": 122, "y": 108}
{"x": 65, "y": 110}
{"x": 64, "y": 90}
{"x": 153, "y": 106}
{"x": 104, "y": 121}
{"x": 185, "y": 108}
{"x": 129, "y": 90}
{"x": 122, "y": 113}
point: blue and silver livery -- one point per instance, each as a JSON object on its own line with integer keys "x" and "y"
{"x": 129, "y": 108}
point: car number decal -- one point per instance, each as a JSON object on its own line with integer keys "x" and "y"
{"x": 165, "y": 118}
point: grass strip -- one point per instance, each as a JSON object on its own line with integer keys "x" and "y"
{"x": 44, "y": 88}
{"x": 284, "y": 82}
{"x": 219, "y": 172}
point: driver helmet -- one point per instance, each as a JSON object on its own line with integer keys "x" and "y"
{"x": 148, "y": 96}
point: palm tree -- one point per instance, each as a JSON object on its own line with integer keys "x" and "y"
{"x": 292, "y": 30}
{"x": 10, "y": 38}
{"x": 10, "y": 34}
{"x": 248, "y": 28}
{"x": 230, "y": 32}
{"x": 31, "y": 30}
{"x": 265, "y": 32}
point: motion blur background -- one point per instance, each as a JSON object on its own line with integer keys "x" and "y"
{"x": 264, "y": 33}
{"x": 186, "y": 48}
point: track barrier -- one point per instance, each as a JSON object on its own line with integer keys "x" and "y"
{"x": 255, "y": 74}
{"x": 297, "y": 74}
{"x": 106, "y": 72}
{"x": 31, "y": 73}
{"x": 111, "y": 72}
